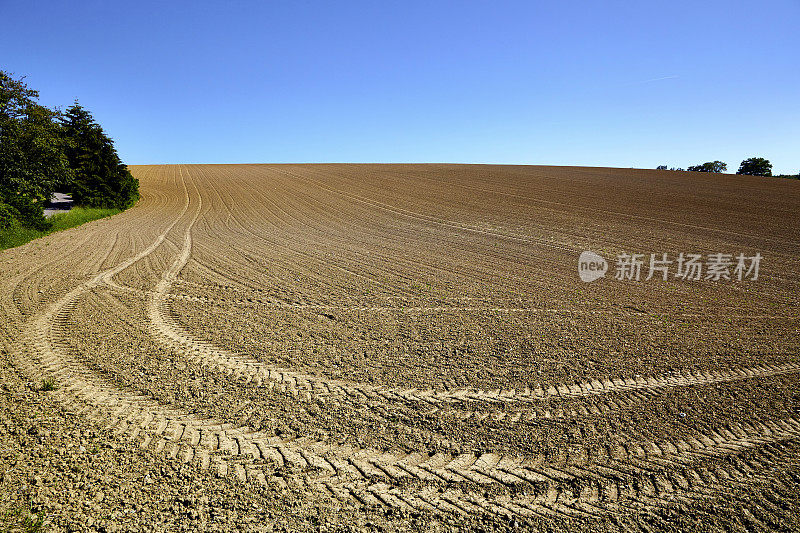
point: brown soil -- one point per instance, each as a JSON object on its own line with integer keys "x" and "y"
{"x": 404, "y": 347}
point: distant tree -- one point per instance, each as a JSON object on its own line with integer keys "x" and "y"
{"x": 789, "y": 176}
{"x": 101, "y": 179}
{"x": 755, "y": 166}
{"x": 661, "y": 167}
{"x": 32, "y": 160}
{"x": 710, "y": 166}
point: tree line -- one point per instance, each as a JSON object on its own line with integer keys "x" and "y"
{"x": 752, "y": 166}
{"x": 45, "y": 150}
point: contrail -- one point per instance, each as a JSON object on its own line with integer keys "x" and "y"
{"x": 661, "y": 78}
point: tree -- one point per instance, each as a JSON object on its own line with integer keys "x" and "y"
{"x": 661, "y": 167}
{"x": 710, "y": 166}
{"x": 755, "y": 166}
{"x": 8, "y": 215}
{"x": 43, "y": 150}
{"x": 101, "y": 179}
{"x": 32, "y": 159}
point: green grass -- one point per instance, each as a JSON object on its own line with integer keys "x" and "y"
{"x": 48, "y": 384}
{"x": 18, "y": 235}
{"x": 21, "y": 519}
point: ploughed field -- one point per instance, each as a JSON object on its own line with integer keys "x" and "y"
{"x": 407, "y": 347}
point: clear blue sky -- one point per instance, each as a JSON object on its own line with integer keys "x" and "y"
{"x": 585, "y": 83}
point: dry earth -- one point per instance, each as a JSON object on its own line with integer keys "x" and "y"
{"x": 404, "y": 347}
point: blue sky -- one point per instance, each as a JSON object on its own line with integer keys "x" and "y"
{"x": 584, "y": 83}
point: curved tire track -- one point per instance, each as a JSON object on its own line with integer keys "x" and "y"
{"x": 587, "y": 483}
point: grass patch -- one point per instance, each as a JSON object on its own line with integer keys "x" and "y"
{"x": 48, "y": 384}
{"x": 19, "y": 235}
{"x": 21, "y": 519}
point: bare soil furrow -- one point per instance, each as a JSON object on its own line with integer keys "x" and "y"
{"x": 413, "y": 344}
{"x": 178, "y": 434}
{"x": 204, "y": 352}
{"x": 668, "y": 477}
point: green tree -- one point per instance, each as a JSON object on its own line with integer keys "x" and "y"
{"x": 755, "y": 166}
{"x": 101, "y": 179}
{"x": 32, "y": 160}
{"x": 710, "y": 166}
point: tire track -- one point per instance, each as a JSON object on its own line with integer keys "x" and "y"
{"x": 305, "y": 387}
{"x": 166, "y": 328}
{"x": 201, "y": 352}
{"x": 588, "y": 482}
{"x": 630, "y": 475}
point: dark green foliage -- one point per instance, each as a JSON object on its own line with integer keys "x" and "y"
{"x": 101, "y": 179}
{"x": 710, "y": 166}
{"x": 755, "y": 166}
{"x": 8, "y": 215}
{"x": 43, "y": 151}
{"x": 33, "y": 162}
